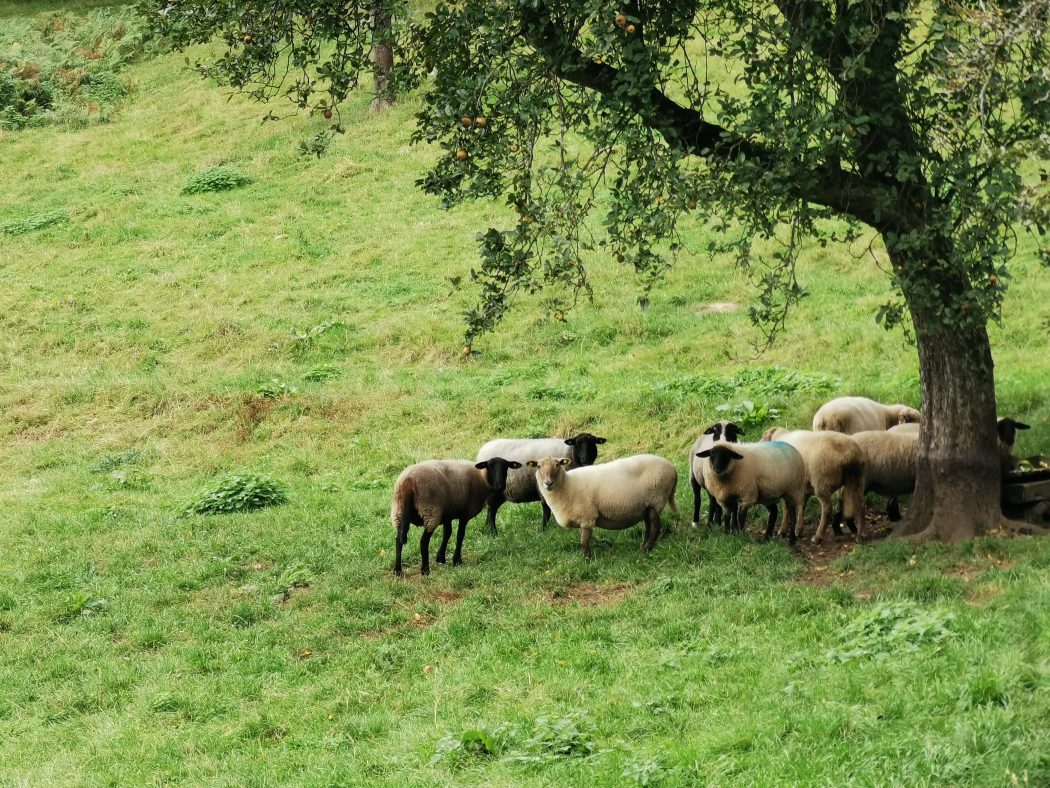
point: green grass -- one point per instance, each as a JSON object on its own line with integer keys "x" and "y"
{"x": 300, "y": 327}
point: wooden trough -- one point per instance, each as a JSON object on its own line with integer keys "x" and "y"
{"x": 1026, "y": 491}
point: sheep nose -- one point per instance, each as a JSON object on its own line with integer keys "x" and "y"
{"x": 548, "y": 485}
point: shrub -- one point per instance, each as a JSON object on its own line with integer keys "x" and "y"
{"x": 892, "y": 627}
{"x": 215, "y": 179}
{"x": 240, "y": 492}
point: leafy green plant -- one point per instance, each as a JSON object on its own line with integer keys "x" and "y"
{"x": 275, "y": 389}
{"x": 241, "y": 492}
{"x": 749, "y": 415}
{"x": 644, "y": 771}
{"x": 892, "y": 627}
{"x": 37, "y": 221}
{"x": 565, "y": 737}
{"x": 108, "y": 463}
{"x": 316, "y": 144}
{"x": 215, "y": 179}
{"x": 321, "y": 373}
{"x": 82, "y": 604}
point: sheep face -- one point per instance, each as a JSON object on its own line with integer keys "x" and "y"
{"x": 1007, "y": 429}
{"x": 728, "y": 432}
{"x": 721, "y": 458}
{"x": 496, "y": 471}
{"x": 549, "y": 472}
{"x": 584, "y": 448}
{"x": 906, "y": 415}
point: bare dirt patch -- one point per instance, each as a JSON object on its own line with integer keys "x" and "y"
{"x": 717, "y": 308}
{"x": 589, "y": 594}
{"x": 819, "y": 557}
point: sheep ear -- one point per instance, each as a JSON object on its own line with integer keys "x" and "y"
{"x": 532, "y": 464}
{"x": 1021, "y": 426}
{"x": 705, "y": 453}
{"x": 564, "y": 461}
{"x": 571, "y": 441}
{"x": 734, "y": 455}
{"x": 602, "y": 440}
{"x": 710, "y": 430}
{"x": 735, "y": 429}
{"x": 513, "y": 464}
{"x": 482, "y": 466}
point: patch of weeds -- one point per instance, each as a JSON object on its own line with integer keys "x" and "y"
{"x": 215, "y": 179}
{"x": 37, "y": 221}
{"x": 321, "y": 373}
{"x": 316, "y": 144}
{"x": 299, "y": 342}
{"x": 456, "y": 750}
{"x": 7, "y": 601}
{"x": 572, "y": 736}
{"x": 291, "y": 578}
{"x": 108, "y": 463}
{"x": 892, "y": 627}
{"x": 81, "y": 604}
{"x": 276, "y": 388}
{"x": 248, "y": 613}
{"x": 128, "y": 479}
{"x": 984, "y": 689}
{"x": 560, "y": 393}
{"x": 748, "y": 414}
{"x": 644, "y": 771}
{"x": 239, "y": 492}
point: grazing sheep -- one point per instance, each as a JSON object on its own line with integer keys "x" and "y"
{"x": 740, "y": 475}
{"x": 581, "y": 450}
{"x": 1007, "y": 430}
{"x": 889, "y": 464}
{"x": 723, "y": 430}
{"x": 614, "y": 495}
{"x": 860, "y": 414}
{"x": 436, "y": 492}
{"x": 833, "y": 462}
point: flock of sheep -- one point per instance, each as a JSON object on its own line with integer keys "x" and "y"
{"x": 856, "y": 446}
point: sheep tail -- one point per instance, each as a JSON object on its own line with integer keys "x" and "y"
{"x": 853, "y": 491}
{"x": 401, "y": 512}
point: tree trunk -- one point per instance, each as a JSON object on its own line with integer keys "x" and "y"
{"x": 957, "y": 484}
{"x": 382, "y": 57}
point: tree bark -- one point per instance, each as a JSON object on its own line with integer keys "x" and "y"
{"x": 957, "y": 483}
{"x": 382, "y": 57}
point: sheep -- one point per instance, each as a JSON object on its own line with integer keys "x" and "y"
{"x": 740, "y": 475}
{"x": 1007, "y": 430}
{"x": 889, "y": 464}
{"x": 723, "y": 430}
{"x": 908, "y": 427}
{"x": 833, "y": 462}
{"x": 859, "y": 414}
{"x": 581, "y": 450}
{"x": 614, "y": 495}
{"x": 436, "y": 492}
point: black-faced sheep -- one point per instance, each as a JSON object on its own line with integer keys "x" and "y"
{"x": 833, "y": 462}
{"x": 436, "y": 492}
{"x": 1007, "y": 430}
{"x": 581, "y": 450}
{"x": 740, "y": 475}
{"x": 722, "y": 431}
{"x": 860, "y": 414}
{"x": 614, "y": 495}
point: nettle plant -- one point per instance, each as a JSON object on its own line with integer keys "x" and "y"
{"x": 921, "y": 128}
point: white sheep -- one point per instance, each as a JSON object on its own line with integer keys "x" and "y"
{"x": 436, "y": 492}
{"x": 834, "y": 462}
{"x": 614, "y": 495}
{"x": 889, "y": 464}
{"x": 859, "y": 414}
{"x": 580, "y": 450}
{"x": 740, "y": 475}
{"x": 723, "y": 430}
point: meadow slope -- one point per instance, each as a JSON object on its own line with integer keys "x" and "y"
{"x": 302, "y": 326}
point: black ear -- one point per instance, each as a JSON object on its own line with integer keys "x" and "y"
{"x": 602, "y": 440}
{"x": 571, "y": 441}
{"x": 710, "y": 430}
{"x": 705, "y": 453}
{"x": 1021, "y": 426}
{"x": 735, "y": 428}
{"x": 734, "y": 455}
{"x": 482, "y": 466}
{"x": 513, "y": 464}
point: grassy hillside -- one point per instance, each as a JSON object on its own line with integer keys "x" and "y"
{"x": 301, "y": 326}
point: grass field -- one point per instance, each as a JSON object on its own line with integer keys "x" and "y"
{"x": 301, "y": 326}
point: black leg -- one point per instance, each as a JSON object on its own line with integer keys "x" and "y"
{"x": 771, "y": 523}
{"x": 893, "y": 510}
{"x": 457, "y": 557}
{"x": 652, "y": 529}
{"x": 836, "y": 521}
{"x": 446, "y": 533}
{"x": 546, "y": 513}
{"x": 714, "y": 510}
{"x": 851, "y": 523}
{"x": 424, "y": 551}
{"x": 697, "y": 492}
{"x": 400, "y": 539}
{"x": 495, "y": 502}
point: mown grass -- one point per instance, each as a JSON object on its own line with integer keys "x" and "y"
{"x": 300, "y": 326}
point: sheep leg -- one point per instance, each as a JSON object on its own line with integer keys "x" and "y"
{"x": 714, "y": 510}
{"x": 652, "y": 529}
{"x": 546, "y": 513}
{"x": 800, "y": 521}
{"x": 446, "y": 533}
{"x": 424, "y": 549}
{"x": 585, "y": 542}
{"x": 740, "y": 525}
{"x": 771, "y": 524}
{"x": 457, "y": 557}
{"x": 893, "y": 510}
{"x": 825, "y": 518}
{"x": 697, "y": 491}
{"x": 400, "y": 539}
{"x": 836, "y": 521}
{"x": 495, "y": 502}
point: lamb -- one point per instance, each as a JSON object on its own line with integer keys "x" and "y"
{"x": 614, "y": 495}
{"x": 581, "y": 450}
{"x": 833, "y": 462}
{"x": 859, "y": 414}
{"x": 723, "y": 430}
{"x": 1007, "y": 430}
{"x": 740, "y": 475}
{"x": 436, "y": 492}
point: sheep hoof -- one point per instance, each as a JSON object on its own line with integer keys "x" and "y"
{"x": 696, "y": 524}
{"x": 457, "y": 562}
{"x": 816, "y": 540}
